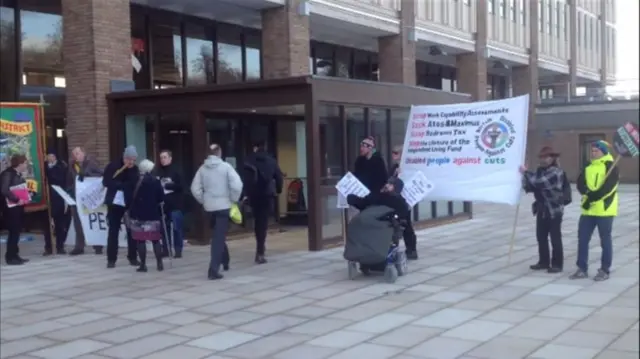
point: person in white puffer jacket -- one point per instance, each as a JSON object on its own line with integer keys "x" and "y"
{"x": 217, "y": 186}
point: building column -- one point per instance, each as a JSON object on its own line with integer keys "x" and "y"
{"x": 285, "y": 41}
{"x": 604, "y": 43}
{"x": 397, "y": 53}
{"x": 471, "y": 68}
{"x": 572, "y": 27}
{"x": 97, "y": 49}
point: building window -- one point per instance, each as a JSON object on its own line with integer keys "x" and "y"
{"x": 199, "y": 53}
{"x": 229, "y": 51}
{"x": 512, "y": 10}
{"x": 523, "y": 12}
{"x": 540, "y": 16}
{"x": 343, "y": 62}
{"x": 323, "y": 59}
{"x": 490, "y": 6}
{"x": 8, "y": 55}
{"x": 331, "y": 144}
{"x": 548, "y": 16}
{"x": 503, "y": 9}
{"x": 41, "y": 27}
{"x": 253, "y": 63}
{"x": 167, "y": 56}
{"x": 362, "y": 65}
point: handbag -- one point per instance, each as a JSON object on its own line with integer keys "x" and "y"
{"x": 126, "y": 219}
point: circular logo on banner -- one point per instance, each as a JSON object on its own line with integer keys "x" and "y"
{"x": 494, "y": 137}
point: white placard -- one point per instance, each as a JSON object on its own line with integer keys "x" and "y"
{"x": 118, "y": 199}
{"x": 136, "y": 63}
{"x": 471, "y": 151}
{"x": 65, "y": 196}
{"x": 90, "y": 193}
{"x": 94, "y": 222}
{"x": 165, "y": 181}
{"x": 416, "y": 189}
{"x": 342, "y": 201}
{"x": 349, "y": 184}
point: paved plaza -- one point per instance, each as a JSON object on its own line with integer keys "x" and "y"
{"x": 462, "y": 299}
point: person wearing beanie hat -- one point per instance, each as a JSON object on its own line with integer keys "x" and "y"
{"x": 121, "y": 180}
{"x": 548, "y": 185}
{"x": 598, "y": 185}
{"x": 56, "y": 173}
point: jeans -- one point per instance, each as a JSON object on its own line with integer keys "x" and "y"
{"x": 114, "y": 221}
{"x": 549, "y": 228}
{"x": 586, "y": 226}
{"x": 260, "y": 209}
{"x": 219, "y": 227}
{"x": 13, "y": 218}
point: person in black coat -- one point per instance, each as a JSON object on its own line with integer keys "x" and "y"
{"x": 409, "y": 234}
{"x": 173, "y": 186}
{"x": 370, "y": 168}
{"x": 120, "y": 179}
{"x": 13, "y": 215}
{"x": 56, "y": 173}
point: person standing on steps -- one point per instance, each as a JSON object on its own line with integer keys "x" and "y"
{"x": 548, "y": 185}
{"x": 146, "y": 215}
{"x": 409, "y": 235}
{"x": 217, "y": 186}
{"x": 263, "y": 182}
{"x": 81, "y": 166}
{"x": 120, "y": 179}
{"x": 173, "y": 202}
{"x": 56, "y": 172}
{"x": 599, "y": 207}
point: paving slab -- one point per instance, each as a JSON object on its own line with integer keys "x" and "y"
{"x": 466, "y": 297}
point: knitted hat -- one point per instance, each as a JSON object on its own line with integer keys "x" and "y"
{"x": 130, "y": 152}
{"x": 547, "y": 151}
{"x": 603, "y": 146}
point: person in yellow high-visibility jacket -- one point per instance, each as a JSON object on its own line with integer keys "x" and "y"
{"x": 599, "y": 208}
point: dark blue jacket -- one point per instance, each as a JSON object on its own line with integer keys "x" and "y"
{"x": 56, "y": 175}
{"x": 124, "y": 181}
{"x": 146, "y": 204}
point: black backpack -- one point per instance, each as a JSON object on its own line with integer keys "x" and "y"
{"x": 566, "y": 190}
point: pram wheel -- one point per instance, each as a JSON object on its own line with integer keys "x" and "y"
{"x": 401, "y": 263}
{"x": 390, "y": 273}
{"x": 366, "y": 271}
{"x": 352, "y": 267}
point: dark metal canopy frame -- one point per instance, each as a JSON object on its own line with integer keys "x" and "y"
{"x": 308, "y": 91}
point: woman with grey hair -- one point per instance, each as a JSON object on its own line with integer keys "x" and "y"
{"x": 145, "y": 215}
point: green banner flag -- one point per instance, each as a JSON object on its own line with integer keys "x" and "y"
{"x": 21, "y": 132}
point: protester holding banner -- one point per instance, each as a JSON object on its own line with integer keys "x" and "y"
{"x": 120, "y": 179}
{"x": 173, "y": 202}
{"x": 81, "y": 166}
{"x": 598, "y": 184}
{"x": 145, "y": 215}
{"x": 370, "y": 168}
{"x": 14, "y": 198}
{"x": 56, "y": 173}
{"x": 409, "y": 235}
{"x": 547, "y": 184}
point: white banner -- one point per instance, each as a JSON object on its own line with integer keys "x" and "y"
{"x": 471, "y": 151}
{"x": 94, "y": 222}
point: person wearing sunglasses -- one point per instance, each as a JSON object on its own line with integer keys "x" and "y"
{"x": 409, "y": 235}
{"x": 370, "y": 168}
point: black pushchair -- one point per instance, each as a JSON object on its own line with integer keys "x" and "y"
{"x": 373, "y": 236}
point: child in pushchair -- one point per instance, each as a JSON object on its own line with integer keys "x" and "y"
{"x": 373, "y": 235}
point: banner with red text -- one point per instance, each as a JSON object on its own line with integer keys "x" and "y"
{"x": 470, "y": 151}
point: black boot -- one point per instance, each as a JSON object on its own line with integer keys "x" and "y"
{"x": 142, "y": 253}
{"x": 159, "y": 253}
{"x": 260, "y": 259}
{"x": 213, "y": 275}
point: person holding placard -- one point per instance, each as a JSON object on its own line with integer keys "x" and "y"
{"x": 120, "y": 179}
{"x": 81, "y": 166}
{"x": 598, "y": 185}
{"x": 13, "y": 197}
{"x": 56, "y": 173}
{"x": 370, "y": 168}
{"x": 173, "y": 202}
{"x": 547, "y": 184}
{"x": 409, "y": 235}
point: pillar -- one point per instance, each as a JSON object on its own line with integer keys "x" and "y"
{"x": 572, "y": 27}
{"x": 285, "y": 41}
{"x": 471, "y": 68}
{"x": 604, "y": 43}
{"x": 97, "y": 49}
{"x": 397, "y": 53}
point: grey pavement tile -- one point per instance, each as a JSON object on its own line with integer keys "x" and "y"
{"x": 555, "y": 351}
{"x": 614, "y": 354}
{"x": 81, "y": 318}
{"x": 306, "y": 351}
{"x": 566, "y": 311}
{"x": 74, "y": 349}
{"x": 223, "y": 340}
{"x": 21, "y": 346}
{"x": 311, "y": 311}
{"x": 224, "y": 307}
{"x": 271, "y": 324}
{"x": 540, "y": 328}
{"x": 197, "y": 330}
{"x": 382, "y": 323}
{"x": 152, "y": 313}
{"x": 35, "y": 317}
{"x": 182, "y": 318}
{"x": 133, "y": 306}
{"x": 345, "y": 300}
{"x": 341, "y": 339}
{"x": 449, "y": 296}
{"x": 628, "y": 342}
{"x": 443, "y": 348}
{"x": 30, "y": 330}
{"x": 447, "y": 318}
{"x": 590, "y": 299}
{"x": 180, "y": 351}
{"x": 366, "y": 310}
{"x": 267, "y": 295}
{"x": 143, "y": 346}
{"x": 136, "y": 331}
{"x": 369, "y": 351}
{"x": 478, "y": 304}
{"x": 605, "y": 324}
{"x": 506, "y": 348}
{"x": 557, "y": 290}
{"x": 579, "y": 338}
{"x": 237, "y": 317}
{"x": 266, "y": 347}
{"x": 406, "y": 336}
{"x": 280, "y": 305}
{"x": 320, "y": 326}
{"x": 87, "y": 329}
{"x": 478, "y": 330}
{"x": 533, "y": 302}
{"x": 420, "y": 308}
